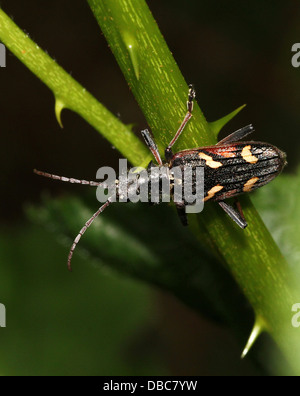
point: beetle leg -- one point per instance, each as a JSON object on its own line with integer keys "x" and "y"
{"x": 188, "y": 116}
{"x": 240, "y": 209}
{"x": 233, "y": 214}
{"x": 181, "y": 213}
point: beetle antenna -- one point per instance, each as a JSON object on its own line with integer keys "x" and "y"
{"x": 66, "y": 179}
{"x": 83, "y": 230}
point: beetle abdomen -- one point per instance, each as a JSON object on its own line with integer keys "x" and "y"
{"x": 233, "y": 169}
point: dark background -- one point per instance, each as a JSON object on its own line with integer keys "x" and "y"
{"x": 98, "y": 323}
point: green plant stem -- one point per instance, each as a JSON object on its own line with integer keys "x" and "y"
{"x": 151, "y": 72}
{"x": 68, "y": 92}
{"x": 252, "y": 256}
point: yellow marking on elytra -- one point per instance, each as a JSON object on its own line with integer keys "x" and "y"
{"x": 250, "y": 183}
{"x": 209, "y": 161}
{"x": 247, "y": 155}
{"x": 212, "y": 192}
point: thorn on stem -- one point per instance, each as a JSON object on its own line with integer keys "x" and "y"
{"x": 258, "y": 328}
{"x": 59, "y": 106}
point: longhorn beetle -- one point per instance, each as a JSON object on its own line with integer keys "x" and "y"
{"x": 231, "y": 168}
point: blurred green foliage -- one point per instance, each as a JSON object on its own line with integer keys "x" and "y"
{"x": 61, "y": 323}
{"x": 279, "y": 205}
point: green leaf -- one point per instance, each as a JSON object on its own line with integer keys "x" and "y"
{"x": 279, "y": 206}
{"x": 216, "y": 126}
{"x": 172, "y": 260}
